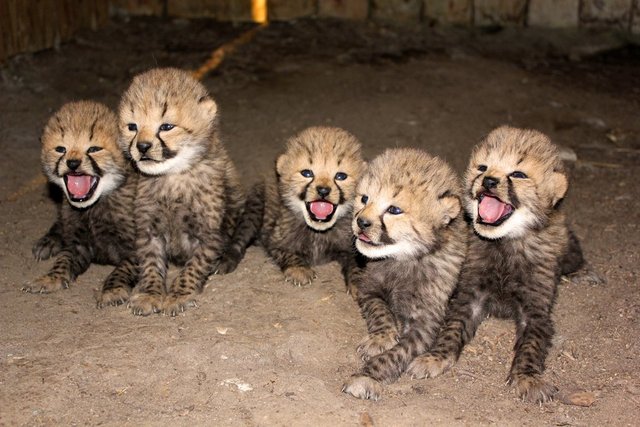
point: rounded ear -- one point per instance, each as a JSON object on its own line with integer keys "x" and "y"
{"x": 280, "y": 164}
{"x": 559, "y": 184}
{"x": 209, "y": 105}
{"x": 451, "y": 207}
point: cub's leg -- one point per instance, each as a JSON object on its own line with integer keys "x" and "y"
{"x": 148, "y": 294}
{"x": 534, "y": 332}
{"x": 465, "y": 313}
{"x": 387, "y": 366}
{"x": 50, "y": 244}
{"x": 296, "y": 270}
{"x": 381, "y": 325}
{"x": 383, "y": 335}
{"x": 69, "y": 264}
{"x": 117, "y": 287}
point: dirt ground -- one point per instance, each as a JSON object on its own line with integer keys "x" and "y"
{"x": 260, "y": 352}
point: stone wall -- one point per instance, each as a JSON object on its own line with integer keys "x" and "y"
{"x": 622, "y": 15}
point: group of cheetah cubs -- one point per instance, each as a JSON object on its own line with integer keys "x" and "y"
{"x": 426, "y": 257}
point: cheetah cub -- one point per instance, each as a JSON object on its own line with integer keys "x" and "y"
{"x": 408, "y": 223}
{"x": 189, "y": 196}
{"x": 303, "y": 213}
{"x": 514, "y": 184}
{"x": 80, "y": 154}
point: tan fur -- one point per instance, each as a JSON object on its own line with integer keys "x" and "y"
{"x": 95, "y": 224}
{"x": 189, "y": 196}
{"x": 293, "y": 237}
{"x": 515, "y": 258}
{"x": 408, "y": 222}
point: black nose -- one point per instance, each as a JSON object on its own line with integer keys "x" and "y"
{"x": 143, "y": 147}
{"x": 363, "y": 223}
{"x": 490, "y": 182}
{"x": 73, "y": 164}
{"x": 323, "y": 191}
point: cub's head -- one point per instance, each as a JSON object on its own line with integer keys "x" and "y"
{"x": 318, "y": 173}
{"x": 166, "y": 120}
{"x": 80, "y": 152}
{"x": 514, "y": 179}
{"x": 404, "y": 202}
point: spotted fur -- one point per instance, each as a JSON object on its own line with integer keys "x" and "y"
{"x": 408, "y": 223}
{"x": 80, "y": 154}
{"x": 513, "y": 265}
{"x": 189, "y": 195}
{"x": 317, "y": 172}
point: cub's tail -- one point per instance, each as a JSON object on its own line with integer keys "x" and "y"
{"x": 246, "y": 231}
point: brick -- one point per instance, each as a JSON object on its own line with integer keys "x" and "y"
{"x": 396, "y": 11}
{"x": 290, "y": 9}
{"x": 137, "y": 7}
{"x": 606, "y": 14}
{"x": 553, "y": 13}
{"x": 222, "y": 10}
{"x": 448, "y": 12}
{"x": 344, "y": 9}
{"x": 500, "y": 12}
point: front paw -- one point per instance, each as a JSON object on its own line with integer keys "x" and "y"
{"x": 299, "y": 276}
{"x": 363, "y": 387}
{"x": 377, "y": 343}
{"x": 176, "y": 304}
{"x": 429, "y": 366}
{"x": 532, "y": 388}
{"x": 112, "y": 296}
{"x": 144, "y": 304}
{"x": 46, "y": 284}
{"x": 45, "y": 248}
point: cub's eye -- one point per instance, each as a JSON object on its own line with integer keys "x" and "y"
{"x": 394, "y": 210}
{"x": 132, "y": 127}
{"x": 482, "y": 168}
{"x": 93, "y": 149}
{"x": 60, "y": 149}
{"x": 364, "y": 199}
{"x": 518, "y": 174}
{"x": 341, "y": 176}
{"x": 166, "y": 126}
{"x": 306, "y": 173}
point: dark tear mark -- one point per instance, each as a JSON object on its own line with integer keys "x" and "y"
{"x": 384, "y": 236}
{"x": 341, "y": 200}
{"x": 167, "y": 153}
{"x": 58, "y": 164}
{"x": 95, "y": 166}
{"x": 512, "y": 194}
{"x": 303, "y": 195}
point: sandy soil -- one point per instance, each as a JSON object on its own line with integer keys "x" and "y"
{"x": 260, "y": 352}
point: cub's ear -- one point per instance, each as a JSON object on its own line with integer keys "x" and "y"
{"x": 559, "y": 186}
{"x": 280, "y": 161}
{"x": 209, "y": 105}
{"x": 451, "y": 207}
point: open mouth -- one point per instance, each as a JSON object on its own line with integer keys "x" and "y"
{"x": 321, "y": 210}
{"x": 365, "y": 239}
{"x": 492, "y": 210}
{"x": 80, "y": 187}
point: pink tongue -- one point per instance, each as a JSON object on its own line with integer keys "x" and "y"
{"x": 491, "y": 209}
{"x": 79, "y": 185}
{"x": 321, "y": 209}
